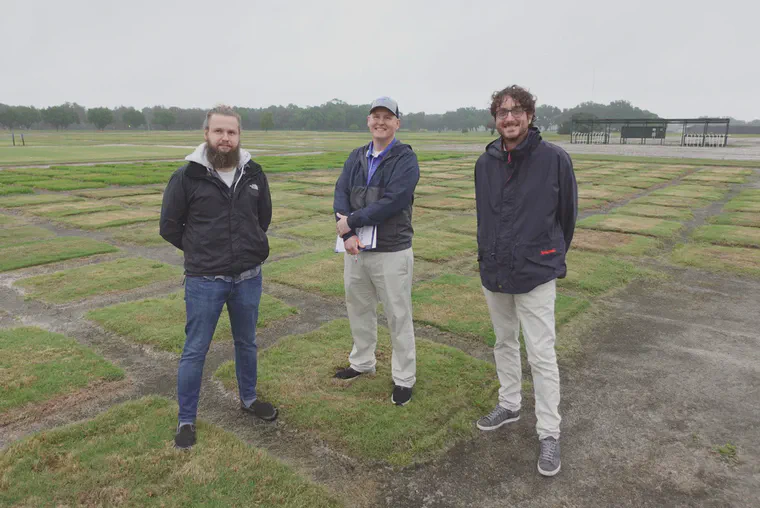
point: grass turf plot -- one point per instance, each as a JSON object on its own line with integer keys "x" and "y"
{"x": 160, "y": 322}
{"x": 715, "y": 258}
{"x": 705, "y": 192}
{"x": 145, "y": 235}
{"x": 430, "y": 189}
{"x": 320, "y": 271}
{"x": 280, "y": 214}
{"x": 660, "y": 212}
{"x": 455, "y": 303}
{"x": 707, "y": 178}
{"x": 99, "y": 220}
{"x": 443, "y": 203}
{"x": 748, "y": 195}
{"x": 434, "y": 244}
{"x": 590, "y": 203}
{"x": 124, "y": 457}
{"x": 742, "y": 205}
{"x": 116, "y": 193}
{"x": 9, "y": 221}
{"x": 728, "y": 235}
{"x": 452, "y": 391}
{"x": 606, "y": 192}
{"x": 672, "y": 201}
{"x": 23, "y": 234}
{"x": 66, "y": 209}
{"x": 321, "y": 230}
{"x": 636, "y": 182}
{"x": 98, "y": 279}
{"x": 628, "y": 224}
{"x": 49, "y": 251}
{"x": 614, "y": 243}
{"x": 750, "y": 219}
{"x": 282, "y": 247}
{"x": 591, "y": 274}
{"x": 37, "y": 366}
{"x": 7, "y": 190}
{"x": 36, "y": 199}
{"x": 143, "y": 200}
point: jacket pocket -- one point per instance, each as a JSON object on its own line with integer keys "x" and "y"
{"x": 539, "y": 262}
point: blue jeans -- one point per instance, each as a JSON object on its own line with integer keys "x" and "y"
{"x": 204, "y": 299}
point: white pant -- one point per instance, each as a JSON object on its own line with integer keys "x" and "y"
{"x": 535, "y": 312}
{"x": 386, "y": 276}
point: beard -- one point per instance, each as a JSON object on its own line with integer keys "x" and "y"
{"x": 503, "y": 132}
{"x": 219, "y": 160}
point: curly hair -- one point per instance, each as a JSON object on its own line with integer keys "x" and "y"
{"x": 224, "y": 110}
{"x": 520, "y": 95}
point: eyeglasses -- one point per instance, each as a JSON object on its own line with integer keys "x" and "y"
{"x": 516, "y": 112}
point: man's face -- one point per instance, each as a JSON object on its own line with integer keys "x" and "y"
{"x": 382, "y": 125}
{"x": 511, "y": 120}
{"x": 223, "y": 134}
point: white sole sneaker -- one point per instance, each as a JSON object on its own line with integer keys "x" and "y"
{"x": 494, "y": 427}
{"x": 549, "y": 473}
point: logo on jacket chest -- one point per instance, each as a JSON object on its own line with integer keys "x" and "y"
{"x": 253, "y": 186}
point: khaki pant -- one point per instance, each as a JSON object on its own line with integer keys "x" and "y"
{"x": 535, "y": 312}
{"x": 387, "y": 277}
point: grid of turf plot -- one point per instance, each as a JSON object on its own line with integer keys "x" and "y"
{"x": 50, "y": 251}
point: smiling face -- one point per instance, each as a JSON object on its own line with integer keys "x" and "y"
{"x": 512, "y": 121}
{"x": 222, "y": 141}
{"x": 382, "y": 126}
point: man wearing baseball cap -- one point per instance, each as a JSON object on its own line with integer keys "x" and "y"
{"x": 376, "y": 188}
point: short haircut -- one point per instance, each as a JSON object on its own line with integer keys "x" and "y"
{"x": 224, "y": 110}
{"x": 520, "y": 95}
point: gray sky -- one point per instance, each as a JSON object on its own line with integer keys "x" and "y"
{"x": 674, "y": 57}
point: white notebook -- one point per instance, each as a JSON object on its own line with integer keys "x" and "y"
{"x": 367, "y": 235}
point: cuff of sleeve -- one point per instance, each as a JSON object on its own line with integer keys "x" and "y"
{"x": 348, "y": 235}
{"x": 352, "y": 219}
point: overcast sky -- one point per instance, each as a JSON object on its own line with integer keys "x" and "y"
{"x": 674, "y": 57}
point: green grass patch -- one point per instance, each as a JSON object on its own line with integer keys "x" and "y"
{"x": 672, "y": 201}
{"x": 321, "y": 230}
{"x": 283, "y": 246}
{"x": 49, "y": 251}
{"x": 728, "y": 235}
{"x": 358, "y": 417}
{"x": 748, "y": 195}
{"x": 439, "y": 245}
{"x": 717, "y": 258}
{"x": 280, "y": 214}
{"x": 98, "y": 279}
{"x": 160, "y": 322}
{"x": 145, "y": 235}
{"x": 691, "y": 191}
{"x": 67, "y": 209}
{"x": 703, "y": 177}
{"x": 66, "y": 185}
{"x": 662, "y": 212}
{"x": 37, "y": 365}
{"x": 727, "y": 453}
{"x": 9, "y": 221}
{"x": 430, "y": 189}
{"x": 444, "y": 203}
{"x": 593, "y": 274}
{"x": 7, "y": 190}
{"x": 737, "y": 219}
{"x": 455, "y": 303}
{"x": 23, "y": 234}
{"x": 124, "y": 457}
{"x": 615, "y": 243}
{"x": 628, "y": 224}
{"x": 116, "y": 193}
{"x": 321, "y": 272}
{"x": 742, "y": 205}
{"x": 144, "y": 200}
{"x": 37, "y": 199}
{"x": 606, "y": 192}
{"x": 590, "y": 203}
{"x": 99, "y": 220}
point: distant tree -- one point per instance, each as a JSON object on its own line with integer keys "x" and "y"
{"x": 61, "y": 116}
{"x": 267, "y": 121}
{"x": 133, "y": 118}
{"x": 9, "y": 117}
{"x": 491, "y": 125}
{"x": 100, "y": 117}
{"x": 547, "y": 116}
{"x": 164, "y": 118}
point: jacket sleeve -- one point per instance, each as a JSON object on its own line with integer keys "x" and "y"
{"x": 568, "y": 198}
{"x": 399, "y": 192}
{"x": 264, "y": 203}
{"x": 174, "y": 211}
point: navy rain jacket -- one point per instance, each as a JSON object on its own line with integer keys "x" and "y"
{"x": 527, "y": 204}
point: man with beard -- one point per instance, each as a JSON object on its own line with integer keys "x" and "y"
{"x": 376, "y": 188}
{"x": 526, "y": 198}
{"x": 216, "y": 209}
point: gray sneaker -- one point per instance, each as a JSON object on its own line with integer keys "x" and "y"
{"x": 548, "y": 459}
{"x": 498, "y": 417}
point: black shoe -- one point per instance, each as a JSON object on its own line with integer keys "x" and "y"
{"x": 401, "y": 395}
{"x": 263, "y": 410}
{"x": 347, "y": 373}
{"x": 185, "y": 437}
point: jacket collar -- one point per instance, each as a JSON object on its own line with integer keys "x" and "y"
{"x": 521, "y": 151}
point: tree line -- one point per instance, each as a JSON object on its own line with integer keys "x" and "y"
{"x": 334, "y": 115}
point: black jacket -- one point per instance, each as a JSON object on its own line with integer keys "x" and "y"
{"x": 222, "y": 231}
{"x": 527, "y": 203}
{"x": 386, "y": 202}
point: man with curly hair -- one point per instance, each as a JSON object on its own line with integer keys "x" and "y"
{"x": 526, "y": 198}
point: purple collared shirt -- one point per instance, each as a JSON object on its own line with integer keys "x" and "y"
{"x": 374, "y": 162}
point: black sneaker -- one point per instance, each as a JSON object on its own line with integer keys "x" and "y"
{"x": 347, "y": 373}
{"x": 263, "y": 410}
{"x": 401, "y": 395}
{"x": 185, "y": 437}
